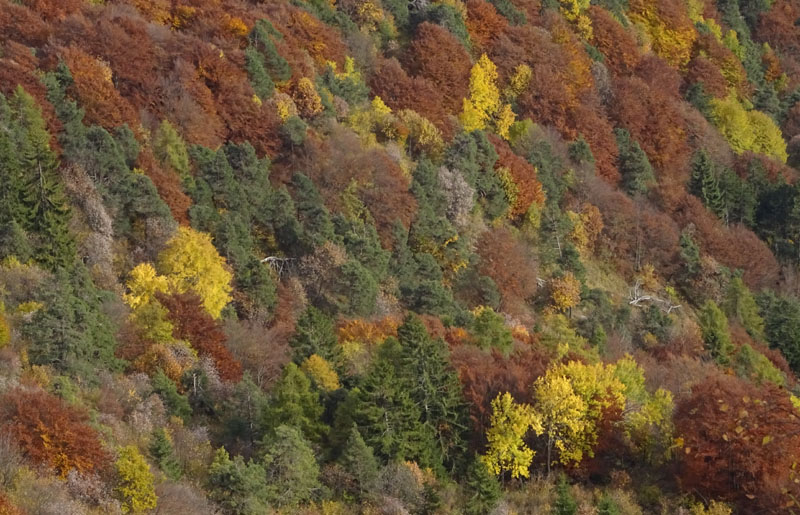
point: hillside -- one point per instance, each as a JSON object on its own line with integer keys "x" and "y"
{"x": 399, "y": 256}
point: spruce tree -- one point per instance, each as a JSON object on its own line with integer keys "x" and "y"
{"x": 483, "y": 489}
{"x": 164, "y": 455}
{"x": 564, "y": 503}
{"x": 358, "y": 459}
{"x": 315, "y": 334}
{"x": 637, "y": 172}
{"x": 259, "y": 77}
{"x": 293, "y": 403}
{"x": 292, "y": 469}
{"x": 177, "y": 404}
{"x": 714, "y": 328}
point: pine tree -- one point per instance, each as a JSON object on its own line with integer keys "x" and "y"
{"x": 293, "y": 403}
{"x": 358, "y": 459}
{"x": 177, "y": 404}
{"x": 637, "y": 172}
{"x": 714, "y": 328}
{"x": 163, "y": 453}
{"x": 238, "y": 487}
{"x": 565, "y": 503}
{"x": 434, "y": 386}
{"x": 607, "y": 506}
{"x": 315, "y": 334}
{"x": 483, "y": 489}
{"x": 741, "y": 305}
{"x": 259, "y": 77}
{"x": 261, "y": 37}
{"x": 292, "y": 469}
{"x": 705, "y": 185}
{"x": 387, "y": 416}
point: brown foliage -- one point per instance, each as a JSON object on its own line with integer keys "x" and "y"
{"x": 438, "y": 56}
{"x": 483, "y": 23}
{"x": 739, "y": 443}
{"x": 776, "y": 26}
{"x": 655, "y": 122}
{"x": 589, "y": 121}
{"x": 194, "y": 325}
{"x": 523, "y": 174}
{"x": 52, "y": 433}
{"x": 616, "y": 43}
{"x": 53, "y": 10}
{"x": 94, "y": 89}
{"x": 21, "y": 24}
{"x": 701, "y": 69}
{"x": 400, "y": 91}
{"x": 483, "y": 376}
{"x": 510, "y": 265}
{"x": 168, "y": 185}
{"x": 7, "y": 507}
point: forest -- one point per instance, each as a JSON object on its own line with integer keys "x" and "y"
{"x": 387, "y": 257}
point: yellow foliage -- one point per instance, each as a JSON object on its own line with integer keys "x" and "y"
{"x": 572, "y": 10}
{"x": 747, "y": 130}
{"x": 423, "y": 136}
{"x": 714, "y": 508}
{"x": 484, "y": 97}
{"x": 285, "y": 106}
{"x": 565, "y": 292}
{"x": 506, "y": 448}
{"x": 674, "y": 44}
{"x": 505, "y": 119}
{"x": 519, "y": 82}
{"x": 143, "y": 283}
{"x": 306, "y": 98}
{"x": 191, "y": 263}
{"x": 237, "y": 27}
{"x": 136, "y": 483}
{"x": 323, "y": 374}
{"x": 563, "y": 416}
{"x": 5, "y": 328}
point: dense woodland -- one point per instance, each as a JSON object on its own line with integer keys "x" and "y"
{"x": 399, "y": 257}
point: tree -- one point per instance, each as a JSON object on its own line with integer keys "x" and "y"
{"x": 292, "y": 469}
{"x": 637, "y": 172}
{"x": 315, "y": 334}
{"x": 506, "y": 450}
{"x": 483, "y": 488}
{"x": 321, "y": 372}
{"x": 737, "y": 440}
{"x": 52, "y": 433}
{"x": 190, "y": 262}
{"x": 358, "y": 459}
{"x": 562, "y": 415}
{"x": 714, "y": 327}
{"x": 135, "y": 481}
{"x": 490, "y": 331}
{"x": 162, "y": 451}
{"x": 177, "y": 404}
{"x": 238, "y": 486}
{"x": 565, "y": 503}
{"x": 293, "y": 403}
{"x": 484, "y": 96}
{"x": 740, "y": 305}
{"x": 192, "y": 324}
{"x": 565, "y": 292}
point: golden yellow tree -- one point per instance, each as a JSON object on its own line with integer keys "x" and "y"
{"x": 190, "y": 262}
{"x": 484, "y": 97}
{"x": 506, "y": 450}
{"x": 321, "y": 372}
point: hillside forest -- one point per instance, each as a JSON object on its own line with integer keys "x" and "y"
{"x": 328, "y": 257}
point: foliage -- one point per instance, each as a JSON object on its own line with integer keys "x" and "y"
{"x": 135, "y": 486}
{"x": 507, "y": 451}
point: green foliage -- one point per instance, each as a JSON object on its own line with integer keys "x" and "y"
{"x": 580, "y": 151}
{"x": 163, "y": 454}
{"x": 607, "y": 506}
{"x": 293, "y": 403}
{"x": 135, "y": 481}
{"x": 170, "y": 149}
{"x": 637, "y": 172}
{"x": 291, "y": 467}
{"x": 315, "y": 334}
{"x": 490, "y": 331}
{"x": 448, "y": 17}
{"x": 262, "y": 39}
{"x": 782, "y": 325}
{"x": 510, "y": 11}
{"x": 714, "y": 328}
{"x": 482, "y": 487}
{"x": 564, "y": 503}
{"x": 237, "y": 486}
{"x": 753, "y": 365}
{"x": 177, "y": 404}
{"x": 358, "y": 459}
{"x": 257, "y": 71}
{"x": 740, "y": 305}
{"x": 294, "y": 131}
{"x": 474, "y": 156}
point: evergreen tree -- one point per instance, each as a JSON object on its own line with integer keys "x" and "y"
{"x": 177, "y": 404}
{"x": 261, "y": 38}
{"x": 163, "y": 453}
{"x": 714, "y": 328}
{"x": 242, "y": 411}
{"x": 637, "y": 172}
{"x": 257, "y": 71}
{"x": 705, "y": 185}
{"x": 782, "y": 325}
{"x": 312, "y": 213}
{"x": 293, "y": 403}
{"x": 292, "y": 469}
{"x": 483, "y": 487}
{"x": 741, "y": 306}
{"x": 690, "y": 253}
{"x": 434, "y": 386}
{"x": 315, "y": 334}
{"x": 386, "y": 414}
{"x": 607, "y": 506}
{"x": 358, "y": 459}
{"x": 565, "y": 503}
{"x": 238, "y": 487}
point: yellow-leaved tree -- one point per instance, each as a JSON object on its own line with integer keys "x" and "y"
{"x": 321, "y": 372}
{"x": 191, "y": 263}
{"x": 506, "y": 450}
{"x": 135, "y": 486}
{"x": 484, "y": 96}
{"x": 563, "y": 415}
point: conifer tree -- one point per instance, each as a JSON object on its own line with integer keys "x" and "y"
{"x": 163, "y": 453}
{"x": 293, "y": 403}
{"x": 637, "y": 172}
{"x": 565, "y": 503}
{"x": 315, "y": 334}
{"x": 483, "y": 488}
{"x": 714, "y": 328}
{"x": 358, "y": 459}
{"x": 292, "y": 469}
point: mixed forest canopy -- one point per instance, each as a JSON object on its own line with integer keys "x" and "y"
{"x": 399, "y": 257}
